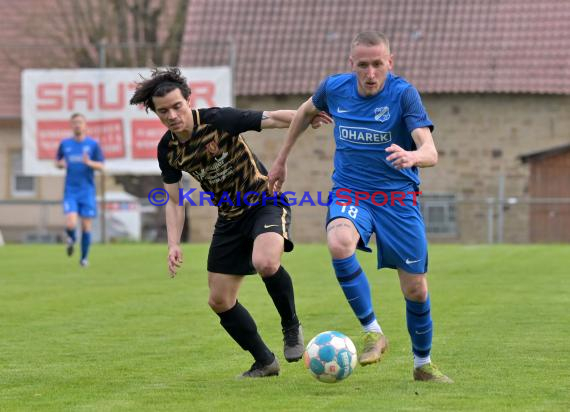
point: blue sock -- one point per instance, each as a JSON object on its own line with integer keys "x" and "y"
{"x": 70, "y": 234}
{"x": 354, "y": 284}
{"x": 420, "y": 326}
{"x": 85, "y": 243}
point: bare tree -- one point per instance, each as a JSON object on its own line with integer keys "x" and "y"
{"x": 129, "y": 33}
{"x": 123, "y": 33}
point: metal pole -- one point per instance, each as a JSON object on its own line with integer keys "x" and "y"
{"x": 102, "y": 54}
{"x": 233, "y": 57}
{"x": 43, "y": 222}
{"x": 102, "y": 63}
{"x": 490, "y": 208}
{"x": 501, "y": 211}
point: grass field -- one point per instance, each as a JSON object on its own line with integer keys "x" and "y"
{"x": 121, "y": 335}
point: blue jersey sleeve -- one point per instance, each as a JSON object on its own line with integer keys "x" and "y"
{"x": 413, "y": 111}
{"x": 59, "y": 155}
{"x": 320, "y": 97}
{"x": 97, "y": 154}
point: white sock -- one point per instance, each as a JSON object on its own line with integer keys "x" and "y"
{"x": 374, "y": 326}
{"x": 421, "y": 361}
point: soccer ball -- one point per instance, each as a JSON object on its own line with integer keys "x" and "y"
{"x": 330, "y": 356}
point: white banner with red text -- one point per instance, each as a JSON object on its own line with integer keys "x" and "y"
{"x": 128, "y": 135}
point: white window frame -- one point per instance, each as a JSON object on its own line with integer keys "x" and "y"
{"x": 16, "y": 172}
{"x": 448, "y": 203}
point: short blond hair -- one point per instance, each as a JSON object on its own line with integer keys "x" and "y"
{"x": 370, "y": 38}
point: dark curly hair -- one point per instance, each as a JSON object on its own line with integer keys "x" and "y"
{"x": 161, "y": 82}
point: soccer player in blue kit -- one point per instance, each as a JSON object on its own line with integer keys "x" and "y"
{"x": 80, "y": 155}
{"x": 383, "y": 135}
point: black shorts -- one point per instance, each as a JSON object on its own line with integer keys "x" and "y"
{"x": 232, "y": 242}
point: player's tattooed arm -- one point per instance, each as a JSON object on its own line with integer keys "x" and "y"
{"x": 277, "y": 119}
{"x": 280, "y": 119}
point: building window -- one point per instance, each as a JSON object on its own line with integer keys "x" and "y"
{"x": 439, "y": 214}
{"x": 21, "y": 186}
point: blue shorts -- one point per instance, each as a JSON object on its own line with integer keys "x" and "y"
{"x": 399, "y": 228}
{"x": 84, "y": 205}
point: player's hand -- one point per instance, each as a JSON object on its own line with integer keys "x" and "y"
{"x": 86, "y": 159}
{"x": 320, "y": 119}
{"x": 400, "y": 158}
{"x": 175, "y": 259}
{"x": 277, "y": 176}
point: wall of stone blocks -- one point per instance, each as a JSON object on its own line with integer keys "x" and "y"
{"x": 479, "y": 138}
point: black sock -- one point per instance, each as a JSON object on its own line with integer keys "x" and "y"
{"x": 241, "y": 327}
{"x": 280, "y": 288}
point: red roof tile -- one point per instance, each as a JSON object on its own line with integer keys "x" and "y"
{"x": 288, "y": 46}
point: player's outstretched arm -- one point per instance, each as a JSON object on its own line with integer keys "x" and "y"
{"x": 174, "y": 226}
{"x": 277, "y": 119}
{"x": 280, "y": 119}
{"x": 278, "y": 173}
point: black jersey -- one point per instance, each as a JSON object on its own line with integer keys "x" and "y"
{"x": 217, "y": 156}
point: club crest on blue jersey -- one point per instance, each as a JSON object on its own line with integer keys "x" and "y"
{"x": 382, "y": 114}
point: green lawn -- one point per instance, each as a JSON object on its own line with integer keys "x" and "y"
{"x": 122, "y": 335}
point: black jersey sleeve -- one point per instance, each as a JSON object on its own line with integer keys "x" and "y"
{"x": 233, "y": 121}
{"x": 169, "y": 174}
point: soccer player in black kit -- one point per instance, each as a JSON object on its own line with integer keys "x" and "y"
{"x": 251, "y": 232}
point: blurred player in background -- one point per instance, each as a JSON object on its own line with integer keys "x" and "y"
{"x": 249, "y": 237}
{"x": 383, "y": 135}
{"x": 80, "y": 155}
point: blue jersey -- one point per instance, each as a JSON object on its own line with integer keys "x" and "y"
{"x": 79, "y": 177}
{"x": 366, "y": 126}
